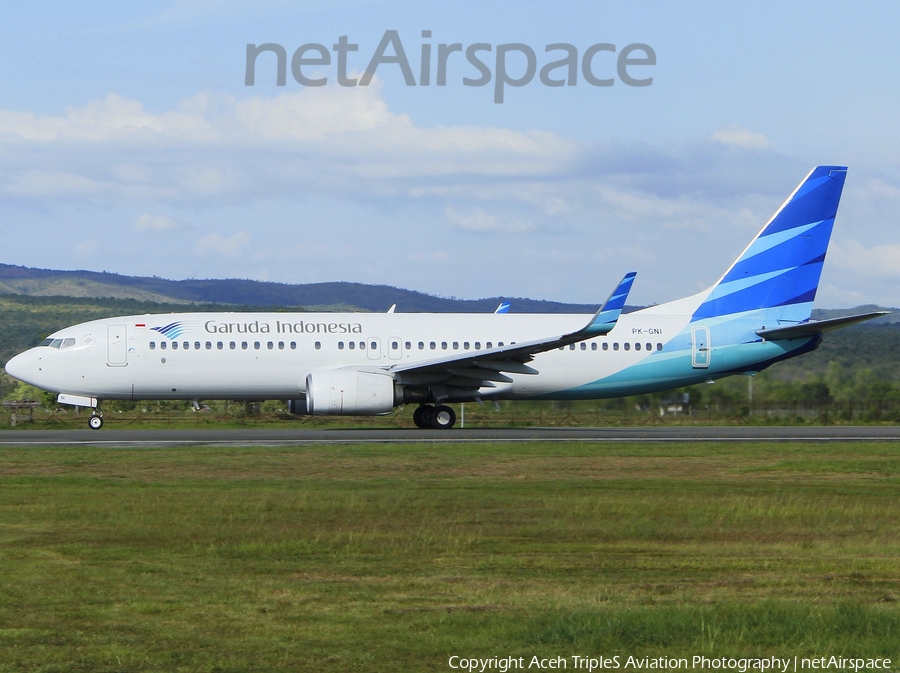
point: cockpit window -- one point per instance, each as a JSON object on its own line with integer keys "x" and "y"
{"x": 56, "y": 343}
{"x": 45, "y": 342}
{"x": 68, "y": 343}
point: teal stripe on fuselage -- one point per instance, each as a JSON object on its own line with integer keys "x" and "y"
{"x": 673, "y": 369}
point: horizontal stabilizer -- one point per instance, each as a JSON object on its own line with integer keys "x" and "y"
{"x": 815, "y": 327}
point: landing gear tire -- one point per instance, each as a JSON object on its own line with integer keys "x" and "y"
{"x": 443, "y": 418}
{"x": 422, "y": 416}
{"x": 95, "y": 422}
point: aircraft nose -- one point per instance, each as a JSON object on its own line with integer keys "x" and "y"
{"x": 18, "y": 366}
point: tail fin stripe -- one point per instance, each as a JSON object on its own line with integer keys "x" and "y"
{"x": 764, "y": 243}
{"x": 792, "y": 252}
{"x": 780, "y": 290}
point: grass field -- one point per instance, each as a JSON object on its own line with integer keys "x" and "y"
{"x": 395, "y": 557}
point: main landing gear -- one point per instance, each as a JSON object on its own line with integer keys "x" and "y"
{"x": 441, "y": 417}
{"x": 95, "y": 422}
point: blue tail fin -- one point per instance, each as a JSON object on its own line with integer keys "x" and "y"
{"x": 782, "y": 265}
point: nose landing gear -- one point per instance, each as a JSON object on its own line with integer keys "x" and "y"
{"x": 440, "y": 418}
{"x": 95, "y": 422}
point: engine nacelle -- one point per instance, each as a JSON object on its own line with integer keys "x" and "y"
{"x": 349, "y": 391}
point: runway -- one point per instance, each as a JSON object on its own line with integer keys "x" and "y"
{"x": 295, "y": 436}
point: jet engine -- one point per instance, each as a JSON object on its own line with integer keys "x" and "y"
{"x": 350, "y": 391}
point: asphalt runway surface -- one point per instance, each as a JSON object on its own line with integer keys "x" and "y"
{"x": 295, "y": 436}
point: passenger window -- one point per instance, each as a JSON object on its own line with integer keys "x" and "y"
{"x": 281, "y": 345}
{"x": 408, "y": 346}
{"x": 232, "y": 345}
{"x": 256, "y": 345}
{"x": 340, "y": 345}
{"x": 583, "y": 346}
{"x": 186, "y": 345}
{"x": 174, "y": 345}
{"x": 293, "y": 345}
{"x": 162, "y": 344}
{"x": 373, "y": 345}
{"x": 571, "y": 347}
{"x": 499, "y": 344}
{"x": 594, "y": 346}
{"x": 456, "y": 345}
{"x": 270, "y": 345}
{"x": 395, "y": 345}
{"x": 196, "y": 345}
{"x": 466, "y": 345}
{"x": 659, "y": 347}
{"x": 432, "y": 345}
{"x": 605, "y": 345}
{"x": 209, "y": 345}
{"x": 626, "y": 345}
{"x": 649, "y": 347}
{"x": 220, "y": 345}
{"x": 488, "y": 345}
{"x": 421, "y": 345}
{"x": 152, "y": 345}
{"x": 637, "y": 347}
{"x": 616, "y": 346}
{"x": 318, "y": 345}
{"x": 362, "y": 345}
{"x": 443, "y": 345}
{"x": 352, "y": 345}
{"x": 244, "y": 345}
{"x": 478, "y": 345}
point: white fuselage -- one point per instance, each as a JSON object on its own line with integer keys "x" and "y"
{"x": 269, "y": 355}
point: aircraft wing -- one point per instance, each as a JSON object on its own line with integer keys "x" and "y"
{"x": 481, "y": 369}
{"x": 814, "y": 327}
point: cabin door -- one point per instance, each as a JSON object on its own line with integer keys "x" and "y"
{"x": 117, "y": 355}
{"x": 700, "y": 351}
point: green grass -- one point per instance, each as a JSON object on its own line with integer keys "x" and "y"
{"x": 393, "y": 558}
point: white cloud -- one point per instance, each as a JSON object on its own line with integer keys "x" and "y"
{"x": 51, "y": 183}
{"x": 480, "y": 221}
{"x": 149, "y": 222}
{"x": 881, "y": 261}
{"x": 85, "y": 248}
{"x": 736, "y": 136}
{"x": 216, "y": 244}
{"x": 106, "y": 119}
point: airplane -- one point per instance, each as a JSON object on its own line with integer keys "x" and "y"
{"x": 756, "y": 314}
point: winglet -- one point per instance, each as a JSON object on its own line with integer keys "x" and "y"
{"x": 607, "y": 315}
{"x": 392, "y": 308}
{"x": 503, "y": 308}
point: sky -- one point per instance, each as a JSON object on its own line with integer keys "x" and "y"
{"x": 130, "y": 143}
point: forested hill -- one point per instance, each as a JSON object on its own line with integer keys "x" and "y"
{"x": 20, "y": 280}
{"x": 45, "y": 283}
